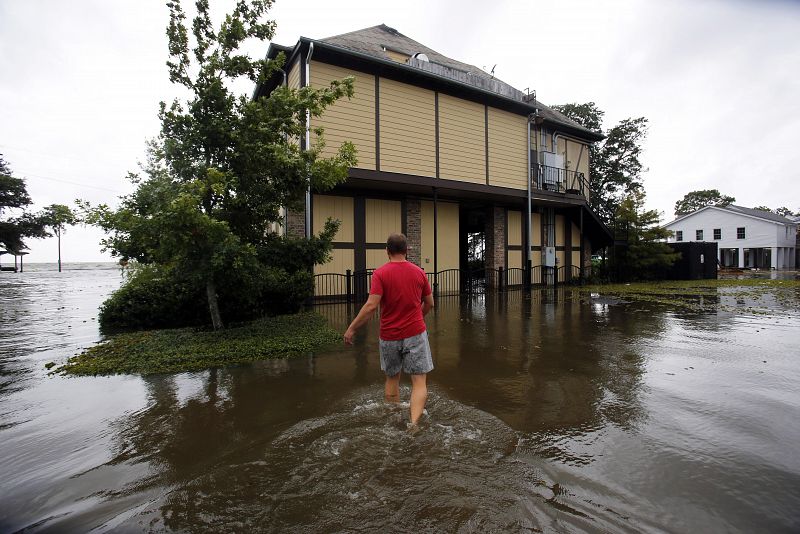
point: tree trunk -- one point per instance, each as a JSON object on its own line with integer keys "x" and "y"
{"x": 213, "y": 306}
{"x": 58, "y": 233}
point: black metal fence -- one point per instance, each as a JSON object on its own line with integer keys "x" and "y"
{"x": 558, "y": 180}
{"x": 353, "y": 286}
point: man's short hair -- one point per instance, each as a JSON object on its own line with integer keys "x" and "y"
{"x": 396, "y": 244}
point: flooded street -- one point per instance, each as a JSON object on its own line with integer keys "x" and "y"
{"x": 551, "y": 412}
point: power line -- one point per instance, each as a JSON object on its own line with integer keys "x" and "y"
{"x": 26, "y": 174}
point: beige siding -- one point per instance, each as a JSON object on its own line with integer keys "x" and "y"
{"x": 560, "y": 254}
{"x": 576, "y": 258}
{"x": 348, "y": 120}
{"x": 508, "y": 158}
{"x": 342, "y": 260}
{"x": 560, "y": 231}
{"x": 383, "y": 217}
{"x": 576, "y": 236}
{"x": 397, "y": 56}
{"x": 462, "y": 140}
{"x": 408, "y": 129}
{"x": 514, "y": 260}
{"x": 376, "y": 258}
{"x": 562, "y": 146}
{"x": 514, "y": 227}
{"x": 536, "y": 259}
{"x": 577, "y": 160}
{"x": 447, "y": 218}
{"x": 572, "y": 160}
{"x": 340, "y": 208}
{"x": 536, "y": 229}
{"x": 293, "y": 79}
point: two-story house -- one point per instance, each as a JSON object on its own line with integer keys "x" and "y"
{"x": 444, "y": 149}
{"x": 746, "y": 238}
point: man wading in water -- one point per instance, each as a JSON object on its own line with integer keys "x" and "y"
{"x": 404, "y": 295}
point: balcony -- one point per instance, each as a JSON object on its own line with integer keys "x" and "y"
{"x": 558, "y": 180}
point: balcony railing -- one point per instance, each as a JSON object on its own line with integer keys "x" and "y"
{"x": 558, "y": 180}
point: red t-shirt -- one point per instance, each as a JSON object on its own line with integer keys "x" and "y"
{"x": 401, "y": 285}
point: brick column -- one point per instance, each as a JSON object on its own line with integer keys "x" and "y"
{"x": 295, "y": 223}
{"x": 413, "y": 230}
{"x": 495, "y": 253}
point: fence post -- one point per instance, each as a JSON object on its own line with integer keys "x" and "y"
{"x": 500, "y": 278}
{"x": 529, "y": 275}
{"x": 349, "y": 286}
{"x": 555, "y": 276}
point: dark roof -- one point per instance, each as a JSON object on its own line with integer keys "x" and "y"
{"x": 766, "y": 215}
{"x": 774, "y": 217}
{"x": 375, "y": 40}
{"x": 372, "y": 41}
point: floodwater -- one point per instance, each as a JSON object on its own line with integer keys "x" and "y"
{"x": 550, "y": 413}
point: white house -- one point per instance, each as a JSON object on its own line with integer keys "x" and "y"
{"x": 745, "y": 237}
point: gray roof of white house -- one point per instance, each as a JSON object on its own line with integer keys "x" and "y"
{"x": 766, "y": 215}
{"x": 774, "y": 217}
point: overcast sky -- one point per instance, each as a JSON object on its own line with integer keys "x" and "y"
{"x": 719, "y": 81}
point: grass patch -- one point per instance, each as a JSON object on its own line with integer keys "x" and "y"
{"x": 190, "y": 349}
{"x": 754, "y": 295}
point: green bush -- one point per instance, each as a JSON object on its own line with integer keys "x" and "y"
{"x": 276, "y": 279}
{"x": 153, "y": 297}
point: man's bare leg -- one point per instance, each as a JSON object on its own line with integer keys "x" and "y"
{"x": 419, "y": 394}
{"x": 391, "y": 391}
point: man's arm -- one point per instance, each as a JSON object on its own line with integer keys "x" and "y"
{"x": 362, "y": 318}
{"x": 427, "y": 304}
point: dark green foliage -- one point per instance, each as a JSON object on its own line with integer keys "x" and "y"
{"x": 276, "y": 279}
{"x": 222, "y": 168}
{"x": 169, "y": 351}
{"x": 615, "y": 170}
{"x": 14, "y": 195}
{"x": 153, "y": 297}
{"x": 695, "y": 200}
{"x": 646, "y": 256}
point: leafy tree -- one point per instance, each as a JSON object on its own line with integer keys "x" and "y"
{"x": 647, "y": 256}
{"x": 223, "y": 165}
{"x": 695, "y": 200}
{"x": 14, "y": 195}
{"x": 615, "y": 169}
{"x": 57, "y": 217}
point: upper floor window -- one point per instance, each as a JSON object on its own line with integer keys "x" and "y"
{"x": 740, "y": 233}
{"x": 698, "y": 235}
{"x": 544, "y": 138}
{"x": 717, "y": 233}
{"x": 679, "y": 235}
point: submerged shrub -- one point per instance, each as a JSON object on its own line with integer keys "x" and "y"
{"x": 276, "y": 279}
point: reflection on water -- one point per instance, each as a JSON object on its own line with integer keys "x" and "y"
{"x": 553, "y": 412}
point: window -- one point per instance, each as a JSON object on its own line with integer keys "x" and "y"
{"x": 679, "y": 235}
{"x": 740, "y": 232}
{"x": 717, "y": 233}
{"x": 698, "y": 235}
{"x": 544, "y": 139}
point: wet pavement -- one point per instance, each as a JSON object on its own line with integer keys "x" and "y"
{"x": 554, "y": 412}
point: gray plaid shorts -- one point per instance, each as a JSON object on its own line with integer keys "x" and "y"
{"x": 412, "y": 355}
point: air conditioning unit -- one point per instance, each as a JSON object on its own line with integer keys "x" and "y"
{"x": 552, "y": 159}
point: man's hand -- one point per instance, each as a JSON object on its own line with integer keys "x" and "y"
{"x": 348, "y": 336}
{"x": 361, "y": 319}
